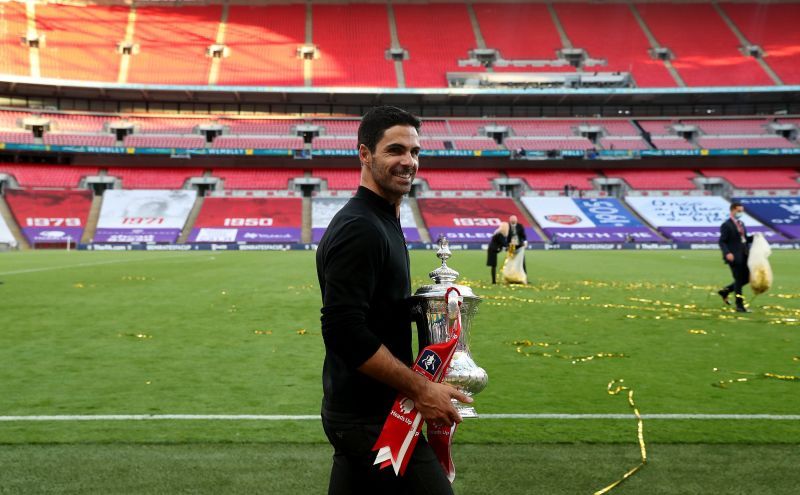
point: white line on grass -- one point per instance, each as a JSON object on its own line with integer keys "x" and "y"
{"x": 313, "y": 417}
{"x": 80, "y": 265}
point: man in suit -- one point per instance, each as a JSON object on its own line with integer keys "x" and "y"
{"x": 517, "y": 237}
{"x": 735, "y": 245}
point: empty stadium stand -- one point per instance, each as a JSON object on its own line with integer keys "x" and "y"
{"x": 718, "y": 142}
{"x": 624, "y": 143}
{"x": 456, "y": 180}
{"x": 507, "y": 27}
{"x": 272, "y": 127}
{"x": 258, "y": 142}
{"x": 773, "y": 27}
{"x": 335, "y": 143}
{"x": 544, "y": 127}
{"x": 545, "y": 144}
{"x": 352, "y": 40}
{"x": 672, "y": 143}
{"x": 555, "y": 179}
{"x": 339, "y": 179}
{"x": 655, "y": 179}
{"x": 263, "y": 41}
{"x": 47, "y": 175}
{"x": 474, "y": 144}
{"x": 258, "y": 43}
{"x": 434, "y": 47}
{"x": 16, "y": 58}
{"x": 610, "y": 32}
{"x": 757, "y": 178}
{"x": 706, "y": 50}
{"x": 333, "y": 127}
{"x": 154, "y": 178}
{"x": 80, "y": 139}
{"x": 173, "y": 43}
{"x": 257, "y": 178}
{"x": 733, "y": 126}
{"x": 164, "y": 141}
{"x": 24, "y": 137}
{"x": 81, "y": 40}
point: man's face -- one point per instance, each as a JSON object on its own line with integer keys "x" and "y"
{"x": 512, "y": 220}
{"x": 393, "y": 166}
{"x": 737, "y": 210}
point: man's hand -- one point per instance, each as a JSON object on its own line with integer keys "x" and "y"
{"x": 433, "y": 402}
{"x": 729, "y": 257}
{"x": 431, "y": 399}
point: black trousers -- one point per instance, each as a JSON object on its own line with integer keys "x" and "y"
{"x": 741, "y": 277}
{"x": 354, "y": 473}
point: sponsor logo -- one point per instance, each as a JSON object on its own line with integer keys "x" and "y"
{"x": 563, "y": 219}
{"x": 406, "y": 405}
{"x": 52, "y": 234}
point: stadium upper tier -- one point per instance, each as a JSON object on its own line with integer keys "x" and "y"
{"x": 453, "y": 134}
{"x": 401, "y": 44}
{"x": 430, "y": 177}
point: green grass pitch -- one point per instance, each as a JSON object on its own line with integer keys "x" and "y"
{"x": 100, "y": 333}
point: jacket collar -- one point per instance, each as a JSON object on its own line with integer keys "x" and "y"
{"x": 377, "y": 201}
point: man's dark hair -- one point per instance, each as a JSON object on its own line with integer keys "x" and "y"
{"x": 735, "y": 205}
{"x": 375, "y": 122}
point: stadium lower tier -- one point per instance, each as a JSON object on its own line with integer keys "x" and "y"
{"x": 181, "y": 216}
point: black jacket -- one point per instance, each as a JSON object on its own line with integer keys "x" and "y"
{"x": 730, "y": 241}
{"x": 363, "y": 271}
{"x": 520, "y": 230}
{"x": 496, "y": 245}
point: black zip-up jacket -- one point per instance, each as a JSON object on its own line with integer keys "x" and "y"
{"x": 363, "y": 270}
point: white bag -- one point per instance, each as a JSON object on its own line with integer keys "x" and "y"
{"x": 513, "y": 272}
{"x": 757, "y": 262}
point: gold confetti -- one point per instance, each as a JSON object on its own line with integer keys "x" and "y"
{"x": 78, "y": 285}
{"x": 755, "y": 376}
{"x": 141, "y": 336}
{"x": 302, "y": 331}
{"x": 614, "y": 388}
{"x": 224, "y": 293}
{"x": 262, "y": 332}
{"x": 697, "y": 331}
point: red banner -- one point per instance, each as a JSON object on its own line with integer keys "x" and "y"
{"x": 251, "y": 212}
{"x": 50, "y": 209}
{"x": 467, "y": 212}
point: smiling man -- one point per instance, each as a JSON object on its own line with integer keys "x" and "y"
{"x": 363, "y": 270}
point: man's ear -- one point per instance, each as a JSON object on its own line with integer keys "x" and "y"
{"x": 364, "y": 155}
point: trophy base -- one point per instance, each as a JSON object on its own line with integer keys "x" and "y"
{"x": 465, "y": 410}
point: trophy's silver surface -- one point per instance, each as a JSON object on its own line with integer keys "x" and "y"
{"x": 429, "y": 311}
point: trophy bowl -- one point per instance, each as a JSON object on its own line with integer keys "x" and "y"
{"x": 429, "y": 311}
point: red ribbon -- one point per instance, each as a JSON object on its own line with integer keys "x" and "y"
{"x": 401, "y": 431}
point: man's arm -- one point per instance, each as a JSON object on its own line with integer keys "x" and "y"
{"x": 724, "y": 239}
{"x": 431, "y": 399}
{"x": 523, "y": 237}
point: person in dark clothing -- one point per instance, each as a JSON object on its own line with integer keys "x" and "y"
{"x": 517, "y": 237}
{"x": 496, "y": 244}
{"x": 364, "y": 277}
{"x": 735, "y": 245}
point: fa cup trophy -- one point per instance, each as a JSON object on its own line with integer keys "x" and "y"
{"x": 429, "y": 311}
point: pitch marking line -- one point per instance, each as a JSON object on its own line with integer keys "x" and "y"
{"x": 81, "y": 265}
{"x": 313, "y": 417}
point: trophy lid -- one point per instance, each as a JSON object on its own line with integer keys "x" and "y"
{"x": 444, "y": 277}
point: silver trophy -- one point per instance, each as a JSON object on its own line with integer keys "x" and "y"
{"x": 428, "y": 309}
